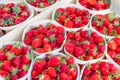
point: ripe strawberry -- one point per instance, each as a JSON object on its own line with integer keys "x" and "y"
{"x": 70, "y": 35}
{"x": 34, "y": 74}
{"x": 117, "y": 41}
{"x": 73, "y": 72}
{"x": 52, "y": 72}
{"x": 64, "y": 68}
{"x": 47, "y": 48}
{"x": 8, "y": 47}
{"x": 101, "y": 48}
{"x": 60, "y": 39}
{"x": 2, "y": 55}
{"x": 70, "y": 60}
{"x": 105, "y": 71}
{"x": 95, "y": 77}
{"x": 112, "y": 54}
{"x": 104, "y": 64}
{"x": 63, "y": 76}
{"x": 17, "y": 49}
{"x": 6, "y": 66}
{"x": 60, "y": 30}
{"x": 42, "y": 30}
{"x": 54, "y": 61}
{"x": 26, "y": 59}
{"x": 112, "y": 45}
{"x": 118, "y": 30}
{"x": 4, "y": 74}
{"x": 68, "y": 24}
{"x": 16, "y": 61}
{"x": 69, "y": 47}
{"x": 95, "y": 66}
{"x": 87, "y": 71}
{"x": 45, "y": 77}
{"x": 78, "y": 51}
{"x": 36, "y": 43}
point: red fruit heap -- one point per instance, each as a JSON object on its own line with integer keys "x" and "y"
{"x": 41, "y": 3}
{"x": 71, "y": 17}
{"x": 95, "y": 4}
{"x": 85, "y": 45}
{"x": 15, "y": 60}
{"x": 45, "y": 39}
{"x": 114, "y": 49}
{"x": 107, "y": 24}
{"x": 101, "y": 71}
{"x": 12, "y": 14}
{"x": 53, "y": 68}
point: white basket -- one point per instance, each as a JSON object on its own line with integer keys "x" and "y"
{"x": 41, "y": 9}
{"x": 92, "y": 11}
{"x": 109, "y": 58}
{"x": 85, "y": 62}
{"x": 64, "y": 6}
{"x": 43, "y": 57}
{"x": 20, "y": 24}
{"x": 92, "y": 63}
{"x": 13, "y": 42}
{"x": 103, "y": 35}
{"x": 43, "y": 22}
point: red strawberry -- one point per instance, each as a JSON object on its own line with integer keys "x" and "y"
{"x": 112, "y": 54}
{"x": 2, "y": 55}
{"x": 101, "y": 48}
{"x": 47, "y": 48}
{"x": 68, "y": 24}
{"x": 105, "y": 71}
{"x": 54, "y": 61}
{"x": 69, "y": 47}
{"x": 112, "y": 45}
{"x": 92, "y": 2}
{"x": 104, "y": 64}
{"x": 4, "y": 74}
{"x": 6, "y": 65}
{"x": 16, "y": 61}
{"x": 26, "y": 59}
{"x": 60, "y": 30}
{"x": 70, "y": 60}
{"x": 118, "y": 30}
{"x": 63, "y": 76}
{"x": 95, "y": 66}
{"x": 118, "y": 61}
{"x": 64, "y": 68}
{"x": 34, "y": 74}
{"x": 95, "y": 77}
{"x": 45, "y": 77}
{"x": 87, "y": 72}
{"x": 78, "y": 51}
{"x": 117, "y": 41}
{"x": 73, "y": 72}
{"x": 52, "y": 72}
{"x": 70, "y": 35}
{"x": 60, "y": 39}
{"x": 36, "y": 43}
{"x": 43, "y": 30}
{"x": 8, "y": 47}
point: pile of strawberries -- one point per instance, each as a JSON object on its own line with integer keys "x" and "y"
{"x": 71, "y": 17}
{"x": 85, "y": 45}
{"x": 108, "y": 24}
{"x": 54, "y": 68}
{"x": 12, "y": 14}
{"x": 45, "y": 38}
{"x": 15, "y": 60}
{"x": 41, "y": 3}
{"x": 114, "y": 49}
{"x": 101, "y": 71}
{"x": 95, "y": 4}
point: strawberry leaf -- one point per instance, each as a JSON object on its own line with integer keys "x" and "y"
{"x": 14, "y": 71}
{"x": 18, "y": 45}
{"x": 111, "y": 16}
{"x": 100, "y": 23}
{"x": 4, "y": 23}
{"x": 107, "y": 1}
{"x": 16, "y": 10}
{"x": 26, "y": 67}
{"x": 116, "y": 23}
{"x": 10, "y": 21}
{"x": 41, "y": 5}
{"x": 52, "y": 38}
{"x": 51, "y": 1}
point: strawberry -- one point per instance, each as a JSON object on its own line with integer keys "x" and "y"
{"x": 44, "y": 77}
{"x": 8, "y": 47}
{"x": 4, "y": 74}
{"x": 54, "y": 61}
{"x": 101, "y": 48}
{"x": 118, "y": 30}
{"x": 36, "y": 43}
{"x": 117, "y": 41}
{"x": 70, "y": 60}
{"x": 95, "y": 66}
{"x": 64, "y": 68}
{"x": 2, "y": 55}
{"x": 6, "y": 66}
{"x": 52, "y": 72}
{"x": 112, "y": 54}
{"x": 69, "y": 47}
{"x": 63, "y": 76}
{"x": 17, "y": 49}
{"x": 78, "y": 51}
{"x": 60, "y": 30}
{"x": 60, "y": 39}
{"x": 47, "y": 48}
{"x": 26, "y": 59}
{"x": 73, "y": 72}
{"x": 70, "y": 35}
{"x": 34, "y": 74}
{"x": 112, "y": 45}
{"x": 68, "y": 24}
{"x": 42, "y": 29}
{"x": 16, "y": 61}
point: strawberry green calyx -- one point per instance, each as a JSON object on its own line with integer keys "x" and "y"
{"x": 57, "y": 68}
{"x": 41, "y": 5}
{"x": 115, "y": 33}
{"x": 16, "y": 10}
{"x": 10, "y": 56}
{"x": 18, "y": 45}
{"x": 30, "y": 0}
{"x": 88, "y": 66}
{"x": 14, "y": 71}
{"x": 1, "y": 63}
{"x": 116, "y": 23}
{"x": 118, "y": 56}
{"x": 31, "y": 56}
{"x": 51, "y": 1}
{"x": 10, "y": 21}
{"x": 41, "y": 76}
{"x": 111, "y": 16}
{"x": 4, "y": 23}
{"x": 63, "y": 61}
{"x": 116, "y": 75}
{"x": 71, "y": 66}
{"x": 107, "y": 1}
{"x": 52, "y": 38}
{"x": 26, "y": 67}
{"x": 100, "y": 23}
